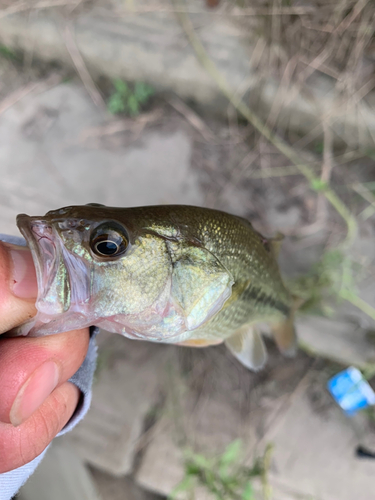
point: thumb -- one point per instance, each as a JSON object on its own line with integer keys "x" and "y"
{"x": 18, "y": 286}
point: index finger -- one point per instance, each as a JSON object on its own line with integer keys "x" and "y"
{"x": 18, "y": 286}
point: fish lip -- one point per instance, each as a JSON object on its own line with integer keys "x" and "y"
{"x": 27, "y": 226}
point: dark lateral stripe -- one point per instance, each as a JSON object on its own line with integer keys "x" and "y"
{"x": 256, "y": 295}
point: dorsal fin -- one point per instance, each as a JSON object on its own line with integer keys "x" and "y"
{"x": 94, "y": 205}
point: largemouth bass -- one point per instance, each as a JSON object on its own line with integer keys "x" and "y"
{"x": 174, "y": 274}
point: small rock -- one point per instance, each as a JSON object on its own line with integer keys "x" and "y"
{"x": 315, "y": 455}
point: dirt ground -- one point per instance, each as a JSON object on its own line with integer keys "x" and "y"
{"x": 206, "y": 397}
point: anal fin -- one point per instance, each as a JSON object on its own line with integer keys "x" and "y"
{"x": 247, "y": 346}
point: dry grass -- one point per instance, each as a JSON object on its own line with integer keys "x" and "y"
{"x": 8, "y": 7}
{"x": 336, "y": 37}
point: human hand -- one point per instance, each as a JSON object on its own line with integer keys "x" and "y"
{"x": 36, "y": 399}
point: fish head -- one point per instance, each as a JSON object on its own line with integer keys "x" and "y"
{"x": 103, "y": 266}
{"x": 92, "y": 267}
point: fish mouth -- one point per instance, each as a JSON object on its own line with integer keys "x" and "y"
{"x": 43, "y": 242}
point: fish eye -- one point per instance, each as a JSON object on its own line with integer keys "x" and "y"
{"x": 109, "y": 240}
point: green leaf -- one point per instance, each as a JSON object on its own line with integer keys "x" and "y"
{"x": 192, "y": 469}
{"x": 201, "y": 461}
{"x": 133, "y": 105}
{"x": 143, "y": 92}
{"x": 8, "y": 53}
{"x": 185, "y": 485}
{"x": 318, "y": 185}
{"x": 121, "y": 87}
{"x": 115, "y": 104}
{"x": 257, "y": 469}
{"x": 248, "y": 492}
{"x": 231, "y": 453}
{"x": 319, "y": 147}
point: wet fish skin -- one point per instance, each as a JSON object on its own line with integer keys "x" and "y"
{"x": 188, "y": 275}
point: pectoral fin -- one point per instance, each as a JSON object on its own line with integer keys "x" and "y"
{"x": 200, "y": 286}
{"x": 248, "y": 347}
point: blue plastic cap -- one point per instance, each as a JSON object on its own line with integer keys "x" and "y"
{"x": 351, "y": 391}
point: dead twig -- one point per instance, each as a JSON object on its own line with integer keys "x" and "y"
{"x": 349, "y": 19}
{"x": 327, "y": 153}
{"x": 367, "y": 195}
{"x": 281, "y": 93}
{"x": 19, "y": 94}
{"x": 327, "y": 165}
{"x": 320, "y": 66}
{"x": 192, "y": 118}
{"x": 233, "y": 12}
{"x": 121, "y": 125}
{"x": 24, "y": 6}
{"x": 81, "y": 68}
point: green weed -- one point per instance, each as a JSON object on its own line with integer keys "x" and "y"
{"x": 224, "y": 476}
{"x": 8, "y": 53}
{"x": 327, "y": 283}
{"x": 319, "y": 185}
{"x": 129, "y": 99}
{"x": 319, "y": 147}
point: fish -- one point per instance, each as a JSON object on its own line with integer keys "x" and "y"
{"x": 171, "y": 274}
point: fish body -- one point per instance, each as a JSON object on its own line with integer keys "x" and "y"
{"x": 172, "y": 274}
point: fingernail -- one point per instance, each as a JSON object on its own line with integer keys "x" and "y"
{"x": 23, "y": 277}
{"x": 34, "y": 392}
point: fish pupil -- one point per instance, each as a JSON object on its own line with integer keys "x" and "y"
{"x": 109, "y": 239}
{"x": 107, "y": 247}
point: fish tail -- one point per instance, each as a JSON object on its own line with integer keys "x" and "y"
{"x": 284, "y": 332}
